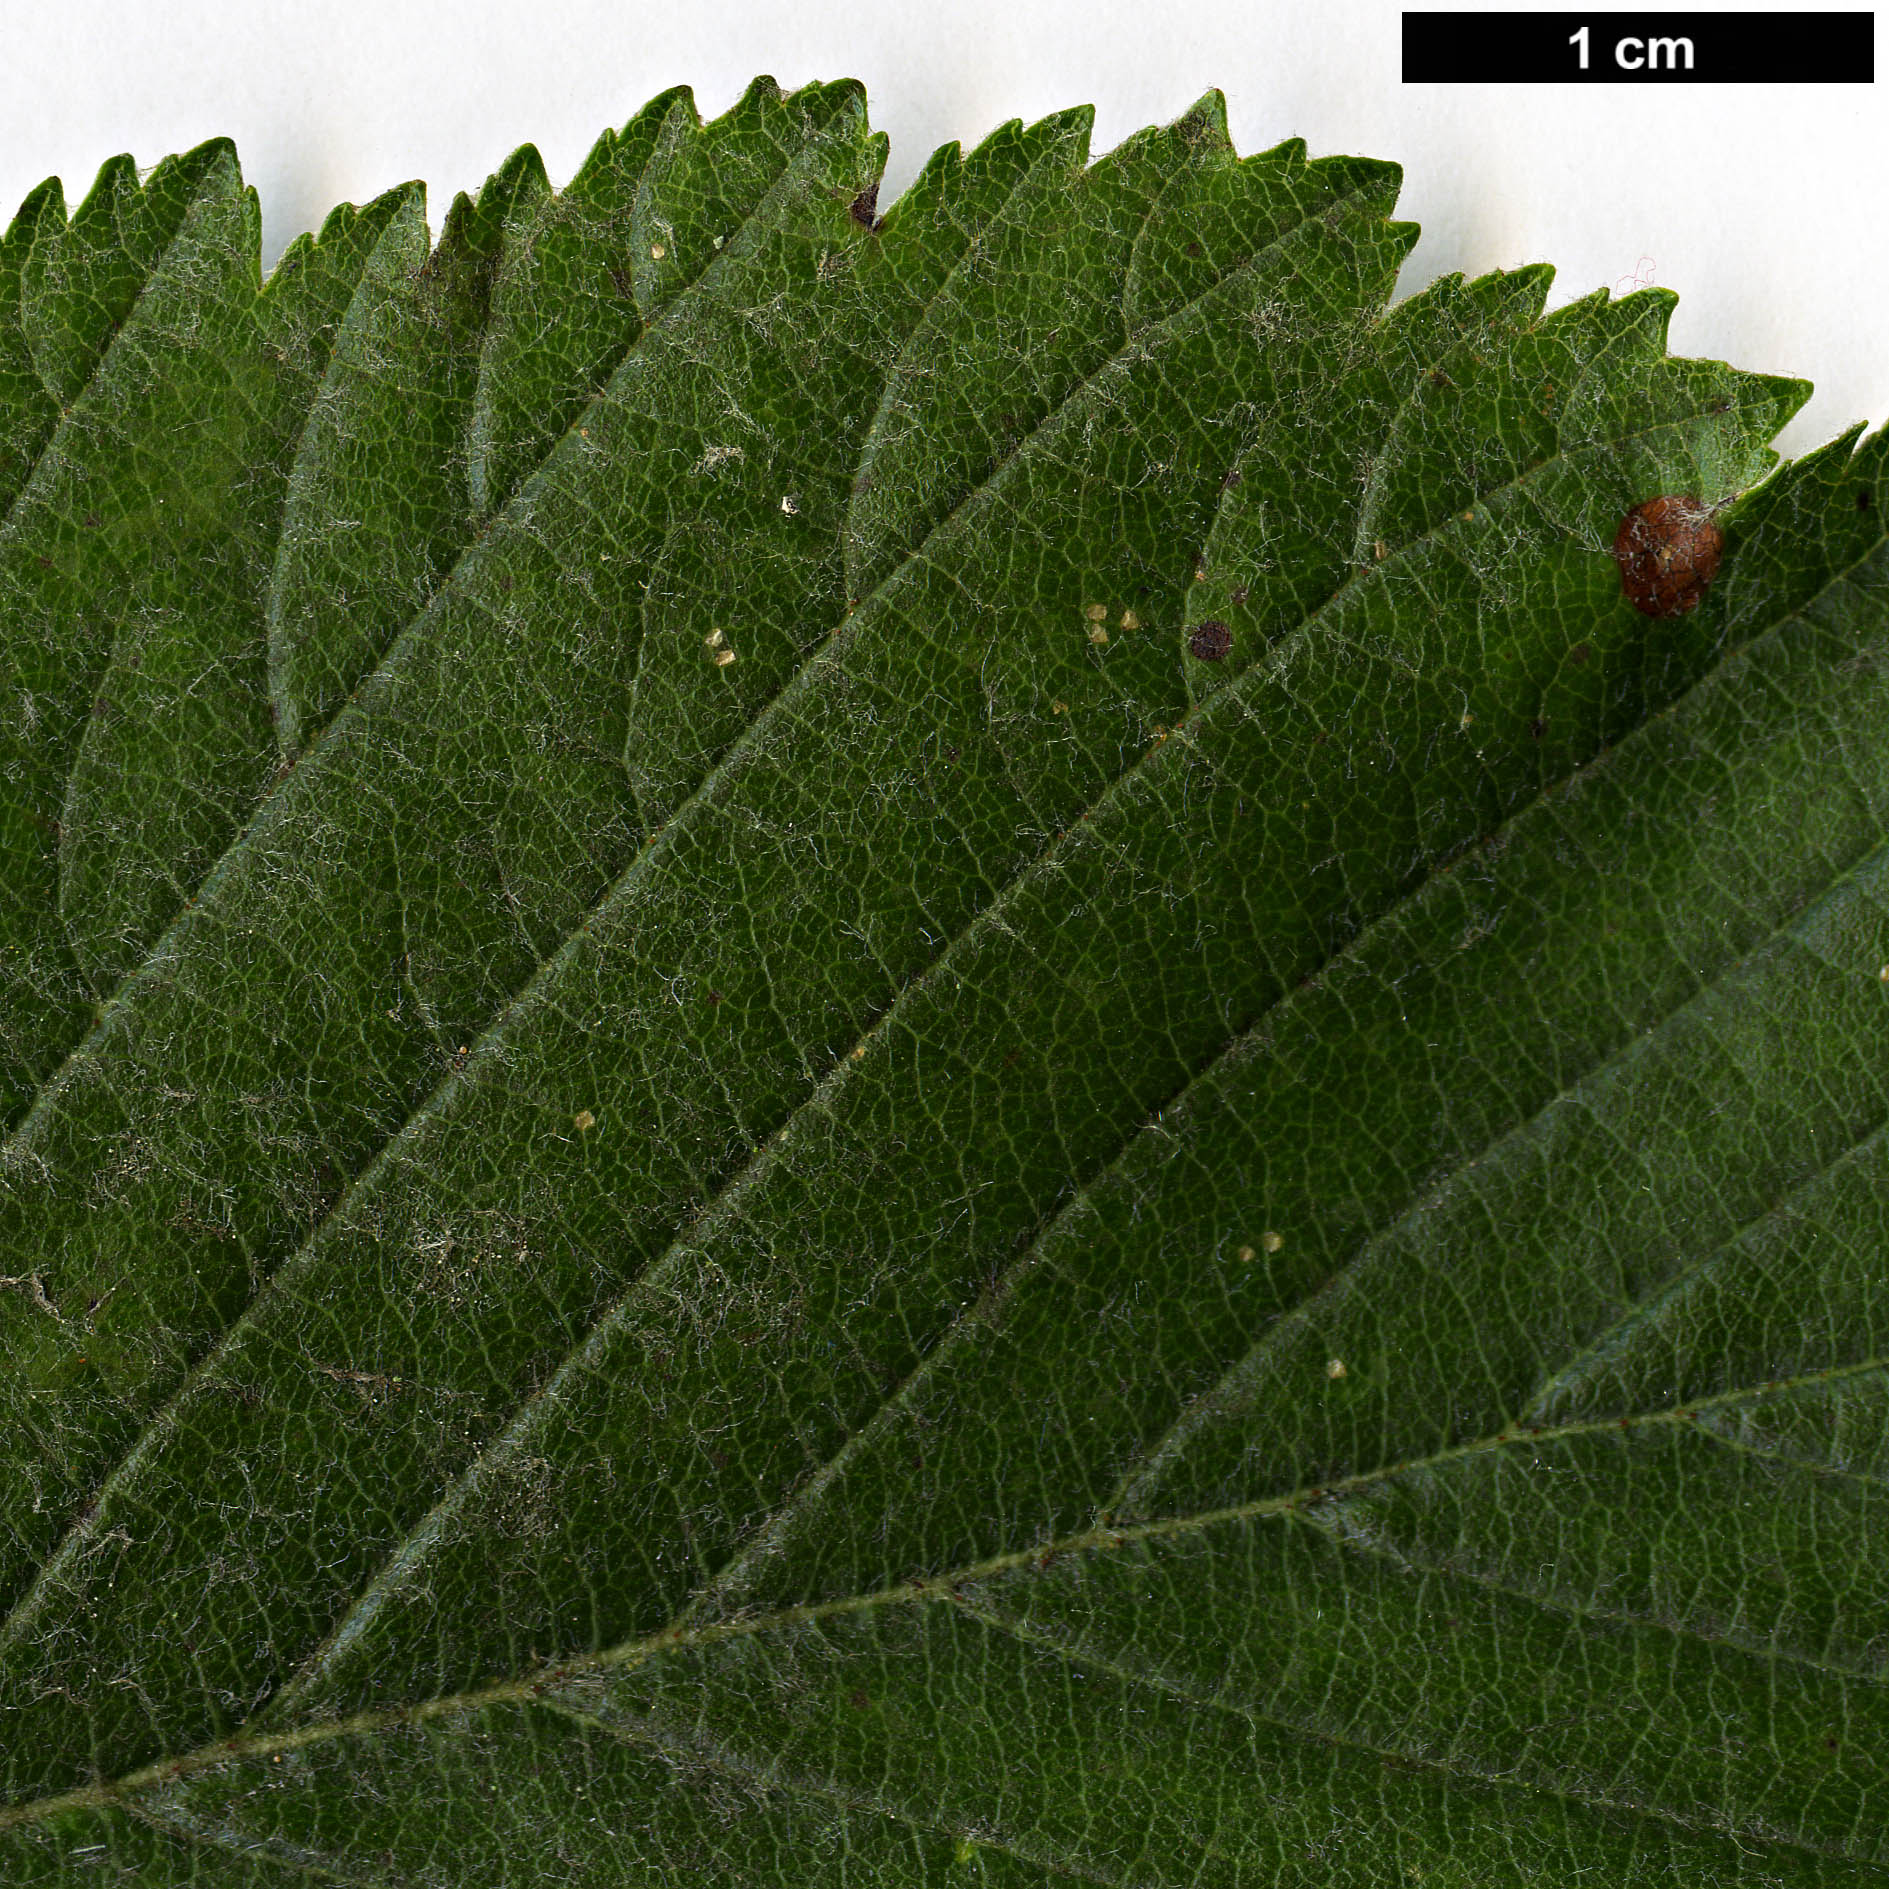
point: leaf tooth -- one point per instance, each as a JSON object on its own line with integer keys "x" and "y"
{"x": 82, "y": 280}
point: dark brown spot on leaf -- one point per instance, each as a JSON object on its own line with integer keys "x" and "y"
{"x": 865, "y": 206}
{"x": 1210, "y": 641}
{"x": 1668, "y": 551}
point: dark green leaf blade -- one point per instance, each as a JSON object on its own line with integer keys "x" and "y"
{"x": 586, "y": 270}
{"x": 377, "y": 507}
{"x": 135, "y": 736}
{"x": 28, "y": 408}
{"x": 1017, "y": 1093}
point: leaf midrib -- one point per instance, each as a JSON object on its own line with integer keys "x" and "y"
{"x": 529, "y": 1688}
{"x": 957, "y": 1332}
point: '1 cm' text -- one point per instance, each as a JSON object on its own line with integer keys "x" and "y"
{"x": 1642, "y": 55}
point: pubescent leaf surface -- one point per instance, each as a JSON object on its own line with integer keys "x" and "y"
{"x": 869, "y": 1044}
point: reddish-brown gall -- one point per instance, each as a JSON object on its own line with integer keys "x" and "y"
{"x": 1668, "y": 550}
{"x": 1210, "y": 641}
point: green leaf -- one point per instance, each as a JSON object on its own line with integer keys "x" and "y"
{"x": 862, "y": 1045}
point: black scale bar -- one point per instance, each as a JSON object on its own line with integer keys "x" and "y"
{"x": 1640, "y": 48}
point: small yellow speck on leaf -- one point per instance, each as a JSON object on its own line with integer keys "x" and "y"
{"x": 657, "y": 252}
{"x": 583, "y": 1120}
{"x": 1884, "y": 973}
{"x": 1097, "y": 634}
{"x": 1095, "y": 612}
{"x": 1130, "y": 621}
{"x": 1335, "y": 1367}
{"x": 715, "y": 638}
{"x": 859, "y": 1052}
{"x": 789, "y": 504}
{"x": 1380, "y": 550}
{"x": 723, "y": 657}
{"x": 1272, "y": 1241}
{"x": 1059, "y": 708}
{"x": 1469, "y": 518}
{"x": 1467, "y": 719}
{"x": 1247, "y": 1255}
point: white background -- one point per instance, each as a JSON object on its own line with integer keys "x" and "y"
{"x": 1761, "y": 205}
